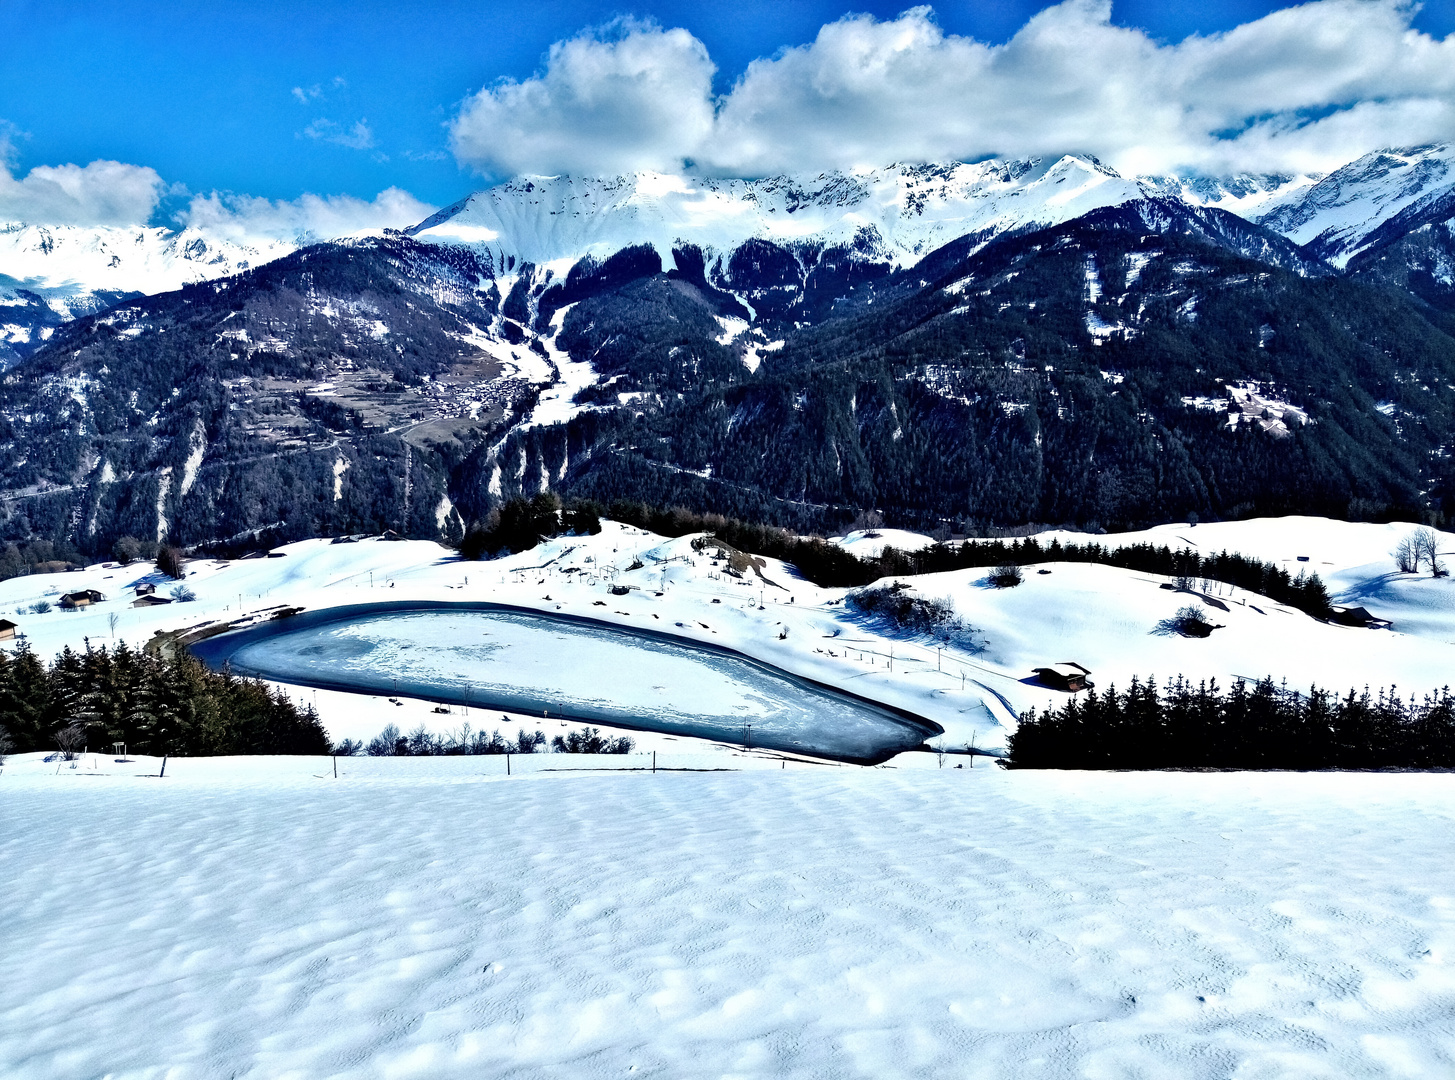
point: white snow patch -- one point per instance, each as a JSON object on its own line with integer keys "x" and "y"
{"x": 197, "y": 449}
{"x": 341, "y": 465}
{"x": 164, "y": 488}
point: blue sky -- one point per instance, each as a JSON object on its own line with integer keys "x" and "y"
{"x": 281, "y": 99}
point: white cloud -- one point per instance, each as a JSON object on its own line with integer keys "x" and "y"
{"x": 101, "y": 193}
{"x": 631, "y": 96}
{"x": 304, "y": 94}
{"x": 305, "y": 219}
{"x": 358, "y": 137}
{"x": 1305, "y": 88}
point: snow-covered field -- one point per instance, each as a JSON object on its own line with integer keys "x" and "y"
{"x": 1099, "y": 616}
{"x": 433, "y": 918}
{"x": 258, "y": 917}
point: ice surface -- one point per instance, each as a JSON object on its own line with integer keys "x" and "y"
{"x": 540, "y": 665}
{"x": 254, "y": 918}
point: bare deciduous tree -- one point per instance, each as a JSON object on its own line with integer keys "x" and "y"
{"x": 1427, "y": 549}
{"x": 69, "y": 739}
{"x": 1406, "y": 556}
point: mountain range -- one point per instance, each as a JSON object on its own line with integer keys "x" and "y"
{"x": 958, "y": 345}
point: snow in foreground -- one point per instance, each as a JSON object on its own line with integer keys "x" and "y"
{"x": 432, "y": 918}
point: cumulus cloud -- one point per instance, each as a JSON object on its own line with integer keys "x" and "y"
{"x": 306, "y": 219}
{"x": 629, "y": 96}
{"x": 101, "y": 193}
{"x": 1305, "y": 88}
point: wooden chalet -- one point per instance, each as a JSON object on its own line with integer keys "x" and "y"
{"x": 1067, "y": 675}
{"x": 1358, "y": 616}
{"x": 150, "y": 599}
{"x": 146, "y": 588}
{"x": 7, "y": 629}
{"x": 82, "y": 598}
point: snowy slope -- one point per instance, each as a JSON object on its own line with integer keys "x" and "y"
{"x": 1353, "y": 558}
{"x": 431, "y": 918}
{"x": 1099, "y": 616}
{"x": 1339, "y": 214}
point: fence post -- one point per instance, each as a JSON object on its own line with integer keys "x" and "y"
{"x": 164, "y": 767}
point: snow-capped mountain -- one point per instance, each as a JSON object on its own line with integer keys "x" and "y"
{"x": 125, "y": 259}
{"x": 899, "y": 213}
{"x": 1342, "y": 214}
{"x": 52, "y": 273}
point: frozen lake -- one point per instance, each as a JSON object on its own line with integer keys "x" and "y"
{"x": 563, "y": 667}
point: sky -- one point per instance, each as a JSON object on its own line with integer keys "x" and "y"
{"x": 325, "y": 117}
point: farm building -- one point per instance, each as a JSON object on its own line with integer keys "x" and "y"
{"x": 150, "y": 599}
{"x": 80, "y": 599}
{"x": 146, "y": 588}
{"x": 1067, "y": 675}
{"x": 1358, "y": 616}
{"x": 7, "y": 629}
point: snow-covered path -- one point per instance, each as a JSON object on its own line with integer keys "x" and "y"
{"x": 246, "y": 918}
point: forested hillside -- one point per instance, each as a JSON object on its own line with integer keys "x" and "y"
{"x": 1099, "y": 373}
{"x": 1141, "y": 363}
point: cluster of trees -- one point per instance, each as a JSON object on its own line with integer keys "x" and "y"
{"x": 153, "y": 704}
{"x": 391, "y": 742}
{"x": 36, "y": 557}
{"x": 1419, "y": 547}
{"x": 1263, "y": 726}
{"x": 928, "y": 616}
{"x": 520, "y": 524}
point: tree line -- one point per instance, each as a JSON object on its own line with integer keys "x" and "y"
{"x": 467, "y": 742}
{"x": 1258, "y": 726}
{"x": 155, "y": 705}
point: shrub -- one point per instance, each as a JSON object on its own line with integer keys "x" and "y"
{"x": 40, "y": 607}
{"x": 391, "y": 742}
{"x": 896, "y": 605}
{"x": 1005, "y": 576}
{"x": 591, "y": 741}
{"x": 386, "y": 743}
{"x": 348, "y": 748}
{"x": 1188, "y": 622}
{"x": 70, "y": 739}
{"x": 182, "y": 594}
{"x": 529, "y": 742}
